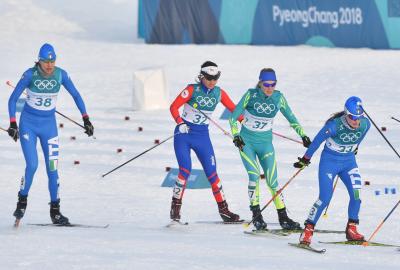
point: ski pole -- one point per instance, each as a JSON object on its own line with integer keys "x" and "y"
{"x": 285, "y": 137}
{"x": 4, "y": 129}
{"x": 380, "y": 225}
{"x": 334, "y": 187}
{"x": 273, "y": 198}
{"x": 396, "y": 119}
{"x": 135, "y": 157}
{"x": 391, "y": 146}
{"x": 63, "y": 115}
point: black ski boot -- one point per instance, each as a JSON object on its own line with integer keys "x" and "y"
{"x": 226, "y": 215}
{"x": 175, "y": 209}
{"x": 286, "y": 222}
{"x": 55, "y": 214}
{"x": 21, "y": 206}
{"x": 258, "y": 222}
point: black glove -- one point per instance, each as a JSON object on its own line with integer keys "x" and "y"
{"x": 306, "y": 141}
{"x": 13, "y": 131}
{"x": 89, "y": 129}
{"x": 239, "y": 143}
{"x": 302, "y": 163}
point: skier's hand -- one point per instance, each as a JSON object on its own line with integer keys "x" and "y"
{"x": 89, "y": 129}
{"x": 13, "y": 131}
{"x": 239, "y": 143}
{"x": 306, "y": 141}
{"x": 183, "y": 128}
{"x": 302, "y": 163}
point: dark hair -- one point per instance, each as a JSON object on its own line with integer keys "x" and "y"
{"x": 258, "y": 85}
{"x": 335, "y": 115}
{"x": 208, "y": 64}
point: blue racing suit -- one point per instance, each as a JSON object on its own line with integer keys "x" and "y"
{"x": 37, "y": 121}
{"x": 338, "y": 159}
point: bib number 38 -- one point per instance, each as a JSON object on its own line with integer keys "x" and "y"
{"x": 46, "y": 102}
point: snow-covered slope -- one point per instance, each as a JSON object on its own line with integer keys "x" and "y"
{"x": 96, "y": 43}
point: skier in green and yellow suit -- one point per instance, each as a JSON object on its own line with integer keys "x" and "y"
{"x": 259, "y": 106}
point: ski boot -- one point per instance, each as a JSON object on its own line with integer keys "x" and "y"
{"x": 351, "y": 231}
{"x": 175, "y": 209}
{"x": 226, "y": 215}
{"x": 21, "y": 207}
{"x": 55, "y": 214}
{"x": 306, "y": 235}
{"x": 258, "y": 220}
{"x": 285, "y": 222}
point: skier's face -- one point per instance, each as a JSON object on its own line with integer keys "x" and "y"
{"x": 353, "y": 123}
{"x": 47, "y": 67}
{"x": 210, "y": 84}
{"x": 268, "y": 87}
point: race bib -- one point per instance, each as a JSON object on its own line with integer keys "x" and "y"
{"x": 193, "y": 115}
{"x": 331, "y": 144}
{"x": 257, "y": 124}
{"x": 42, "y": 101}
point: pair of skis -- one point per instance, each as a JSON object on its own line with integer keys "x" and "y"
{"x": 281, "y": 232}
{"x": 17, "y": 224}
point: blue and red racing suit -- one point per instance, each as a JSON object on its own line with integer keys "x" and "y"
{"x": 193, "y": 98}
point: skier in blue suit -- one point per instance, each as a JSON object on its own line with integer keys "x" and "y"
{"x": 342, "y": 133}
{"x": 37, "y": 121}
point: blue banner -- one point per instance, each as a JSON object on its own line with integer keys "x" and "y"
{"x": 196, "y": 180}
{"x": 341, "y": 23}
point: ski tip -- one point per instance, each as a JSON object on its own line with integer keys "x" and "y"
{"x": 365, "y": 243}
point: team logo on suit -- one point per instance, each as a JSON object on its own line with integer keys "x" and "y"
{"x": 264, "y": 107}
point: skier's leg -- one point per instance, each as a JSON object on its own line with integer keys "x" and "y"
{"x": 352, "y": 180}
{"x": 182, "y": 153}
{"x": 205, "y": 153}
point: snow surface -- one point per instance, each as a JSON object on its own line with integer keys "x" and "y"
{"x": 96, "y": 43}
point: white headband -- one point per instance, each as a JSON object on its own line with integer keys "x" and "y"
{"x": 211, "y": 70}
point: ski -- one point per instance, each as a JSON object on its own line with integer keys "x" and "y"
{"x": 175, "y": 223}
{"x": 301, "y": 230}
{"x": 70, "y": 225}
{"x": 358, "y": 243}
{"x": 306, "y": 247}
{"x": 266, "y": 232}
{"x": 241, "y": 221}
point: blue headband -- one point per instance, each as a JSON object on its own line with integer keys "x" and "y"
{"x": 267, "y": 76}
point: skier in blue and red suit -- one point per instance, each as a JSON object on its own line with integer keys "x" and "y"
{"x": 38, "y": 121}
{"x": 192, "y": 134}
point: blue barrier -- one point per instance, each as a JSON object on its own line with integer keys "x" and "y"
{"x": 340, "y": 23}
{"x": 386, "y": 191}
{"x": 196, "y": 180}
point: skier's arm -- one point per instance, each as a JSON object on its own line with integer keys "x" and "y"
{"x": 288, "y": 114}
{"x": 228, "y": 103}
{"x": 183, "y": 97}
{"x": 327, "y": 131}
{"x": 240, "y": 107}
{"x": 70, "y": 87}
{"x": 22, "y": 84}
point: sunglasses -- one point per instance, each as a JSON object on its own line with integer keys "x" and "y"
{"x": 354, "y": 117}
{"x": 269, "y": 84}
